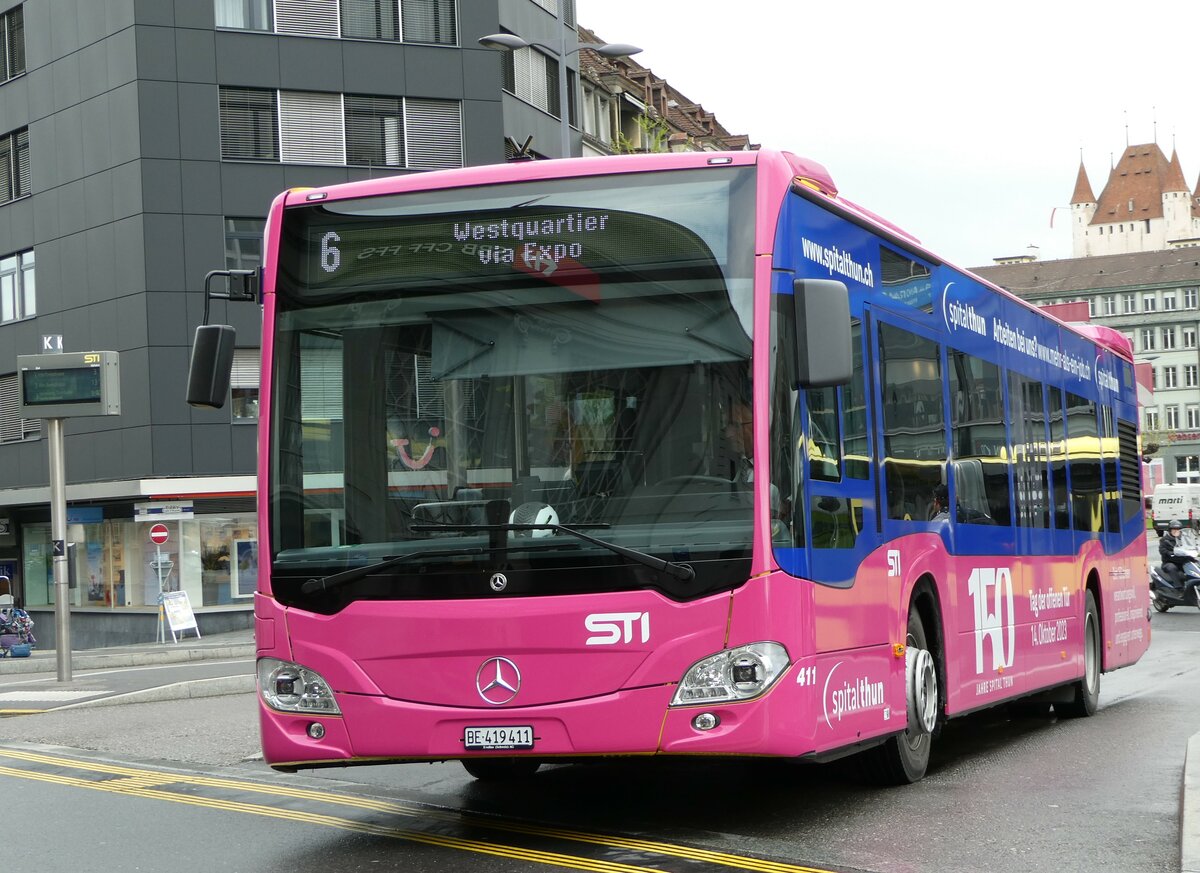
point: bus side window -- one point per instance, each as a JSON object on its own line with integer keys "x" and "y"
{"x": 978, "y": 442}
{"x": 824, "y": 437}
{"x": 914, "y": 421}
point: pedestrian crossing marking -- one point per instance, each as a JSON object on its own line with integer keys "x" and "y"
{"x": 48, "y": 695}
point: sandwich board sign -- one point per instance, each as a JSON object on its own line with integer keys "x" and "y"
{"x": 178, "y": 610}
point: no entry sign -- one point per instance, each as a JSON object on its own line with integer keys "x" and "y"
{"x": 159, "y": 534}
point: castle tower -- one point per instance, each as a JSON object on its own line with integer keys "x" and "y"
{"x": 1083, "y": 207}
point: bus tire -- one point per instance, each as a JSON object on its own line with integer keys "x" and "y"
{"x": 903, "y": 758}
{"x": 501, "y": 769}
{"x": 1087, "y": 690}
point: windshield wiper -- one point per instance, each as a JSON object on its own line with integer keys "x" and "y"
{"x": 355, "y": 573}
{"x": 682, "y": 572}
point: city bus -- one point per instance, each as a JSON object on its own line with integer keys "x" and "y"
{"x": 674, "y": 454}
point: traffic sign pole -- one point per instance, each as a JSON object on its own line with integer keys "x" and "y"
{"x": 58, "y": 536}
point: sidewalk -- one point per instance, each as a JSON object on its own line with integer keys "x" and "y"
{"x": 218, "y": 664}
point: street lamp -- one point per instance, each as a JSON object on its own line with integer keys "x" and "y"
{"x": 511, "y": 42}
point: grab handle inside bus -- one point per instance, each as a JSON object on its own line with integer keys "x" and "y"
{"x": 822, "y": 310}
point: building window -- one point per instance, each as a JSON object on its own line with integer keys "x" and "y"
{"x": 243, "y": 243}
{"x": 1172, "y": 414}
{"x": 1189, "y": 337}
{"x": 1187, "y": 469}
{"x": 374, "y": 131}
{"x": 321, "y": 128}
{"x": 533, "y": 77}
{"x": 244, "y": 14}
{"x": 1148, "y": 339}
{"x": 12, "y": 43}
{"x": 1168, "y": 336}
{"x": 1170, "y": 377}
{"x": 13, "y": 428}
{"x": 1129, "y": 303}
{"x": 18, "y": 288}
{"x": 426, "y": 21}
{"x": 243, "y": 386}
{"x": 1168, "y": 301}
{"x": 14, "y": 165}
{"x": 1110, "y": 305}
{"x": 1193, "y": 417}
{"x": 249, "y": 125}
{"x": 1191, "y": 376}
{"x": 1189, "y": 298}
{"x": 1149, "y": 303}
{"x": 1150, "y": 419}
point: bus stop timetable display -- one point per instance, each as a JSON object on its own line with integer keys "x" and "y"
{"x": 69, "y": 385}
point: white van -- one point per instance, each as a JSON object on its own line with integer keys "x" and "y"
{"x": 1171, "y": 502}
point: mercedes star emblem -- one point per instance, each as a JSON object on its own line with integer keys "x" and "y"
{"x": 498, "y": 681}
{"x": 498, "y": 582}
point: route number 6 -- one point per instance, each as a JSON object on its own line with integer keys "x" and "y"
{"x": 331, "y": 256}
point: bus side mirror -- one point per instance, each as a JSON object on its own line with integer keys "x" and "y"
{"x": 211, "y": 365}
{"x": 822, "y": 308}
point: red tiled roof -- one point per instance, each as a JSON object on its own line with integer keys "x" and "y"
{"x": 1138, "y": 180}
{"x": 1083, "y": 188}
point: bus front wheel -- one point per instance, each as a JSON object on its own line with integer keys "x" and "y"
{"x": 903, "y": 758}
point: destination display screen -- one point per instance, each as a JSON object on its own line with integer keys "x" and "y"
{"x": 575, "y": 231}
{"x": 52, "y": 386}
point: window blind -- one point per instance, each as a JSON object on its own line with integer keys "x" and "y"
{"x": 307, "y": 17}
{"x": 310, "y": 128}
{"x": 249, "y": 126}
{"x": 13, "y": 428}
{"x": 245, "y": 372}
{"x": 430, "y": 21}
{"x": 434, "y": 137}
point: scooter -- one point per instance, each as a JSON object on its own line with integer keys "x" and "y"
{"x": 1172, "y": 585}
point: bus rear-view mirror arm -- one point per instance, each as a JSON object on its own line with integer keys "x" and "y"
{"x": 212, "y": 348}
{"x": 822, "y": 312}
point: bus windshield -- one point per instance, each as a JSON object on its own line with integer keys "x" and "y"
{"x": 571, "y": 352}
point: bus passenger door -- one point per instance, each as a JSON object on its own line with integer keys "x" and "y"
{"x": 840, "y": 506}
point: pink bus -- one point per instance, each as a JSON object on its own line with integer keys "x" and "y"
{"x": 668, "y": 455}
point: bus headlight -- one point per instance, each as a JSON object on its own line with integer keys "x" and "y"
{"x": 734, "y": 674}
{"x": 292, "y": 687}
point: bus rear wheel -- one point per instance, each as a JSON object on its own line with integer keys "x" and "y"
{"x": 501, "y": 769}
{"x": 1087, "y": 690}
{"x": 904, "y": 758}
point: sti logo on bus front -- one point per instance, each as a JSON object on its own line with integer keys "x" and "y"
{"x": 616, "y": 627}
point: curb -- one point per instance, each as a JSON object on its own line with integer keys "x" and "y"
{"x": 196, "y": 688}
{"x": 47, "y": 662}
{"x": 1189, "y": 813}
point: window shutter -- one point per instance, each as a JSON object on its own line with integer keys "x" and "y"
{"x": 374, "y": 131}
{"x": 245, "y": 369}
{"x": 21, "y": 149}
{"x": 6, "y": 169}
{"x": 307, "y": 17}
{"x": 321, "y": 384}
{"x": 434, "y": 136}
{"x": 371, "y": 19}
{"x": 16, "y": 42}
{"x": 13, "y": 428}
{"x": 430, "y": 21}
{"x": 310, "y": 128}
{"x": 550, "y": 6}
{"x": 249, "y": 129}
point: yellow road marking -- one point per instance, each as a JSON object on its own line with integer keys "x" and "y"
{"x": 132, "y": 779}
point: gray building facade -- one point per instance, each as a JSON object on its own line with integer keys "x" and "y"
{"x": 141, "y": 143}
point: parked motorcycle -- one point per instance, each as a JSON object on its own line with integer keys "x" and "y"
{"x": 1173, "y": 585}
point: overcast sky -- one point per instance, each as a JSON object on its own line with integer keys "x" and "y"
{"x": 962, "y": 122}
